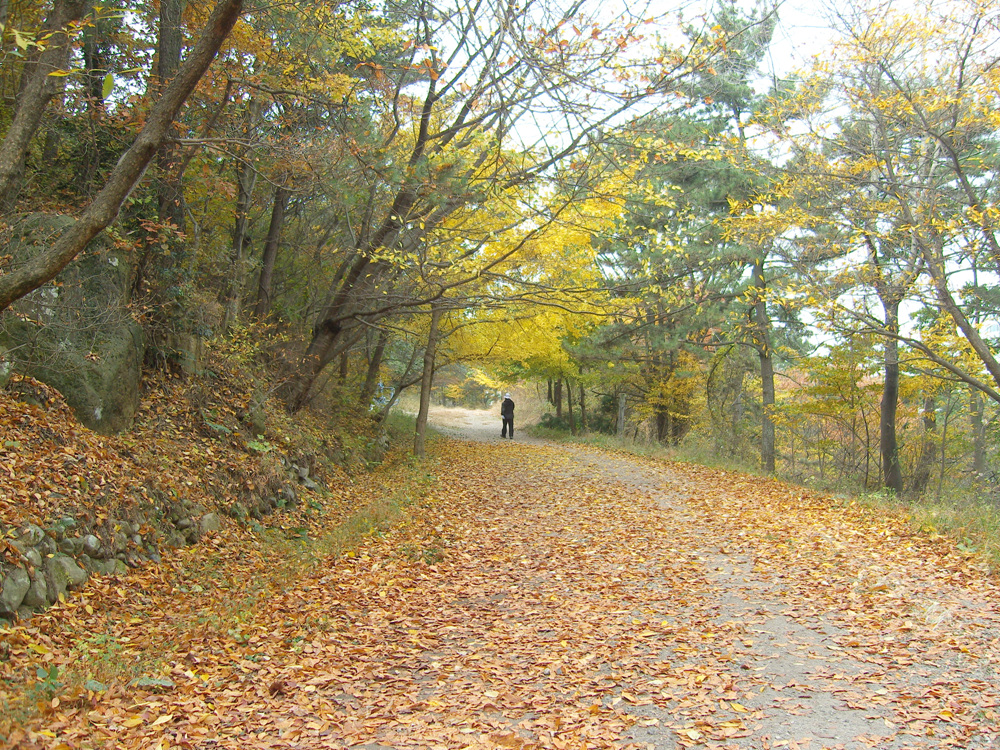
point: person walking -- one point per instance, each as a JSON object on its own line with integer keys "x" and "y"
{"x": 507, "y": 414}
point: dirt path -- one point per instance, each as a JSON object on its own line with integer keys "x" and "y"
{"x": 554, "y": 597}
{"x": 805, "y": 674}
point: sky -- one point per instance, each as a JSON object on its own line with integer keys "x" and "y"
{"x": 802, "y": 34}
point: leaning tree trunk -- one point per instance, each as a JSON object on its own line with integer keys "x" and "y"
{"x": 426, "y": 382}
{"x": 104, "y": 208}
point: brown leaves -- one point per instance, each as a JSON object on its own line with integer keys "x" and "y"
{"x": 557, "y": 606}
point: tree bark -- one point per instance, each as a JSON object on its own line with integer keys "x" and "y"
{"x": 762, "y": 342}
{"x": 932, "y": 249}
{"x": 36, "y": 90}
{"x": 345, "y": 361}
{"x": 978, "y": 434}
{"x": 278, "y": 210}
{"x": 583, "y": 409}
{"x": 95, "y": 70}
{"x": 569, "y": 402}
{"x": 426, "y": 382}
{"x": 928, "y": 447}
{"x": 104, "y": 208}
{"x": 892, "y": 474}
{"x": 662, "y": 424}
{"x": 374, "y": 364}
{"x": 170, "y": 40}
{"x": 246, "y": 180}
{"x": 402, "y": 383}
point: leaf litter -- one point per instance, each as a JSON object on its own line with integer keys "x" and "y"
{"x": 549, "y": 597}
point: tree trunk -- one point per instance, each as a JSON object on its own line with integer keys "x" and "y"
{"x": 937, "y": 271}
{"x": 426, "y": 382}
{"x": 762, "y": 342}
{"x": 569, "y": 402}
{"x": 928, "y": 447}
{"x": 170, "y": 39}
{"x": 978, "y": 434}
{"x": 95, "y": 67}
{"x": 892, "y": 473}
{"x": 36, "y": 90}
{"x": 263, "y": 305}
{"x": 402, "y": 384}
{"x": 622, "y": 400}
{"x": 583, "y": 409}
{"x": 104, "y": 208}
{"x": 557, "y": 394}
{"x": 362, "y": 273}
{"x": 345, "y": 361}
{"x": 662, "y": 424}
{"x": 374, "y": 365}
{"x": 327, "y": 338}
{"x": 246, "y": 179}
{"x": 169, "y": 42}
{"x": 944, "y": 448}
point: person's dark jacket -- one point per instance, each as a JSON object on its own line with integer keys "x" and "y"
{"x": 507, "y": 409}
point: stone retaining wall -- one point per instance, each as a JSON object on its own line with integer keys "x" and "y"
{"x": 62, "y": 556}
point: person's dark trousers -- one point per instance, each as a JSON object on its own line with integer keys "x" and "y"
{"x": 508, "y": 423}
